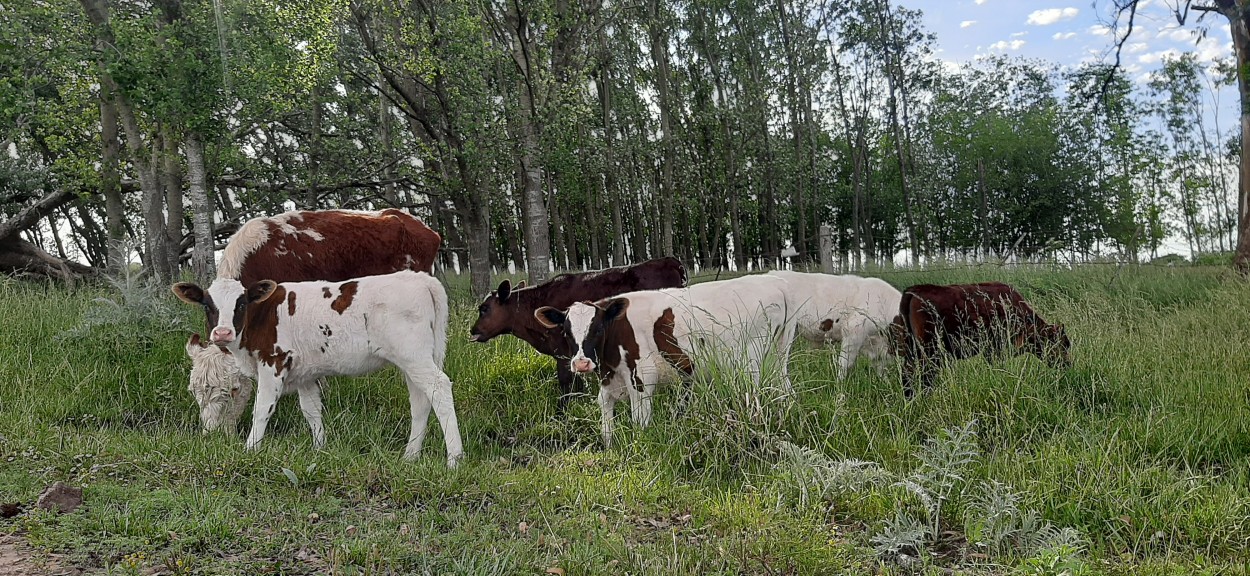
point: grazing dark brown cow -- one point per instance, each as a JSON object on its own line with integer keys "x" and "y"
{"x": 299, "y": 246}
{"x": 963, "y": 320}
{"x": 508, "y": 311}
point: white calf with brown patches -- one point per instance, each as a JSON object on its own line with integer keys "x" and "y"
{"x": 291, "y": 334}
{"x": 848, "y": 309}
{"x": 639, "y": 338}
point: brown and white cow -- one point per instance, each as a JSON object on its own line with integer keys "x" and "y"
{"x": 638, "y": 338}
{"x": 294, "y": 333}
{"x": 511, "y": 311}
{"x": 296, "y": 246}
{"x": 963, "y": 320}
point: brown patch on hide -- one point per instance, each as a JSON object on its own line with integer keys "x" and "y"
{"x": 666, "y": 343}
{"x": 347, "y": 292}
{"x": 290, "y": 304}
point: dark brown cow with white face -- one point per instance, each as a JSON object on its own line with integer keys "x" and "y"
{"x": 509, "y": 311}
{"x": 296, "y": 246}
{"x": 963, "y": 320}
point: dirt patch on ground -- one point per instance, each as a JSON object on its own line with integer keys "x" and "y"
{"x": 17, "y": 558}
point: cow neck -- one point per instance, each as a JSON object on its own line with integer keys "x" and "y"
{"x": 259, "y": 330}
{"x": 523, "y": 303}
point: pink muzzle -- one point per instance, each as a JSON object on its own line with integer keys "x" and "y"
{"x": 222, "y": 336}
{"x": 583, "y": 365}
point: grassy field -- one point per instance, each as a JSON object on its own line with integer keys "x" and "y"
{"x": 1135, "y": 461}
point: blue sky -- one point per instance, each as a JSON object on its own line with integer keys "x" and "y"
{"x": 1068, "y": 33}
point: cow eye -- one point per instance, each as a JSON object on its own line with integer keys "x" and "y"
{"x": 482, "y": 309}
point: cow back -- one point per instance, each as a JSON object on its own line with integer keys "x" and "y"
{"x": 516, "y": 312}
{"x": 332, "y": 245}
{"x": 963, "y": 319}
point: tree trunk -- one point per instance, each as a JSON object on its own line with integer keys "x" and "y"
{"x": 385, "y": 120}
{"x": 659, "y": 56}
{"x": 1239, "y": 27}
{"x": 894, "y": 82}
{"x": 171, "y": 178}
{"x": 314, "y": 149}
{"x": 110, "y": 185}
{"x": 153, "y": 197}
{"x": 202, "y": 262}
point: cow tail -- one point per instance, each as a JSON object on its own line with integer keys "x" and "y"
{"x": 904, "y": 309}
{"x": 438, "y": 321}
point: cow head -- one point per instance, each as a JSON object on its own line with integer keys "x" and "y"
{"x": 1054, "y": 346}
{"x": 229, "y": 294}
{"x": 494, "y": 316}
{"x": 583, "y": 327}
{"x": 219, "y": 388}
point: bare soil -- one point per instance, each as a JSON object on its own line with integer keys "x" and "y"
{"x": 17, "y": 558}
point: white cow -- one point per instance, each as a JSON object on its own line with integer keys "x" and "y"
{"x": 848, "y": 309}
{"x": 291, "y": 334}
{"x": 220, "y": 390}
{"x": 636, "y": 339}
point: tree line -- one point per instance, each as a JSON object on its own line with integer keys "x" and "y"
{"x": 561, "y": 134}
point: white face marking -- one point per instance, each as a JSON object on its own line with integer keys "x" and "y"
{"x": 225, "y": 292}
{"x": 580, "y": 316}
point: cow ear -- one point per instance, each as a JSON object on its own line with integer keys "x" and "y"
{"x": 505, "y": 288}
{"x": 261, "y": 290}
{"x": 188, "y": 292}
{"x": 615, "y": 307}
{"x": 520, "y": 285}
{"x": 549, "y": 317}
{"x": 194, "y": 345}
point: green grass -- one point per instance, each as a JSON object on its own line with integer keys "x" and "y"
{"x": 1143, "y": 448}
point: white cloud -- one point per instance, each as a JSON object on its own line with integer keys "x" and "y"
{"x": 980, "y": 2}
{"x": 1177, "y": 34}
{"x": 1157, "y": 57}
{"x": 1018, "y": 34}
{"x": 1051, "y": 15}
{"x": 1211, "y": 49}
{"x": 1005, "y": 45}
{"x": 967, "y": 23}
{"x": 1136, "y": 47}
{"x": 1099, "y": 30}
{"x": 1064, "y": 35}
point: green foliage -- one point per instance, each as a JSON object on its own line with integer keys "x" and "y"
{"x": 139, "y": 312}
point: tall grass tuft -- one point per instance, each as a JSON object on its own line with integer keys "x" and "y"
{"x": 137, "y": 307}
{"x": 721, "y": 421}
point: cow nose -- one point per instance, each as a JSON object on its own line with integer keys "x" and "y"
{"x": 583, "y": 365}
{"x": 222, "y": 335}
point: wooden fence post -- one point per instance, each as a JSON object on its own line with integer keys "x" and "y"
{"x": 826, "y": 248}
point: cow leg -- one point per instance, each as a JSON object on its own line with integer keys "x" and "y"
{"x": 783, "y": 356}
{"x": 929, "y": 373}
{"x": 852, "y": 339}
{"x": 565, "y": 379}
{"x": 909, "y": 376}
{"x": 430, "y": 388}
{"x": 607, "y": 410}
{"x": 310, "y": 405}
{"x": 640, "y": 393}
{"x": 268, "y": 388}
